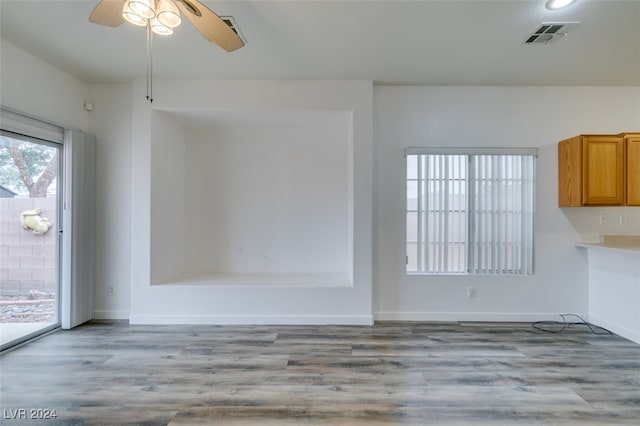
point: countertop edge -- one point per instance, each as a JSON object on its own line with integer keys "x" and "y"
{"x": 620, "y": 248}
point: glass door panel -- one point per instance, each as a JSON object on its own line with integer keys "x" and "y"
{"x": 29, "y": 238}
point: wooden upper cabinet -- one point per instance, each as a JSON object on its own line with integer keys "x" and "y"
{"x": 632, "y": 141}
{"x": 570, "y": 172}
{"x": 603, "y": 171}
{"x": 591, "y": 171}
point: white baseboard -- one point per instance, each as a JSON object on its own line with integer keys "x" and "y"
{"x": 353, "y": 320}
{"x": 110, "y": 315}
{"x": 252, "y": 320}
{"x": 633, "y": 335}
{"x": 466, "y": 316}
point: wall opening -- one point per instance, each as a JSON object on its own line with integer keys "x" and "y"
{"x": 252, "y": 198}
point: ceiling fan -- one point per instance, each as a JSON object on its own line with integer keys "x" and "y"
{"x": 160, "y": 17}
{"x": 112, "y": 13}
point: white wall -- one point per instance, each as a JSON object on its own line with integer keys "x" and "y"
{"x": 614, "y": 291}
{"x": 270, "y": 198}
{"x": 168, "y": 187}
{"x": 485, "y": 117}
{"x": 404, "y": 116}
{"x": 211, "y": 304}
{"x": 110, "y": 121}
{"x": 32, "y": 86}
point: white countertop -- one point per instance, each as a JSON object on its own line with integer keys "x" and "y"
{"x": 623, "y": 243}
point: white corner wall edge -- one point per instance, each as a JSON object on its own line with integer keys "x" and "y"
{"x": 468, "y": 316}
{"x": 251, "y": 320}
{"x": 615, "y": 328}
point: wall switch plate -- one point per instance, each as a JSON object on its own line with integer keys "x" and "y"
{"x": 622, "y": 220}
{"x": 471, "y": 293}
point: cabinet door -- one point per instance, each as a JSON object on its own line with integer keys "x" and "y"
{"x": 633, "y": 170}
{"x": 603, "y": 171}
{"x": 570, "y": 172}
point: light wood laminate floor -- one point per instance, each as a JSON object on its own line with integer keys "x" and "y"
{"x": 107, "y": 373}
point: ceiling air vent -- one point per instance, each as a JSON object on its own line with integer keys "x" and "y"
{"x": 234, "y": 26}
{"x": 549, "y": 31}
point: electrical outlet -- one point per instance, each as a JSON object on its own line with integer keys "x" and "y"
{"x": 112, "y": 290}
{"x": 622, "y": 220}
{"x": 603, "y": 219}
{"x": 471, "y": 293}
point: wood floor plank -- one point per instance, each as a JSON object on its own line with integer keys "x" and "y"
{"x": 404, "y": 373}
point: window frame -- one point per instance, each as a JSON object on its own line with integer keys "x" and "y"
{"x": 527, "y": 268}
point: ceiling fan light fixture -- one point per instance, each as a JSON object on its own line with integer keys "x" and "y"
{"x": 168, "y": 14}
{"x": 558, "y": 4}
{"x": 143, "y": 8}
{"x": 131, "y": 17}
{"x": 134, "y": 19}
{"x": 159, "y": 28}
{"x": 160, "y": 16}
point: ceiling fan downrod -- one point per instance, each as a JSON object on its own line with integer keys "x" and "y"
{"x": 149, "y": 63}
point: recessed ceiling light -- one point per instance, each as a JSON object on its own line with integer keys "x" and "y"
{"x": 558, "y": 4}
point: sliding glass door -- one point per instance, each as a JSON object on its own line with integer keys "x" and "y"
{"x": 30, "y": 220}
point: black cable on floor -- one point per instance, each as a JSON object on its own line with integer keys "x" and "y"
{"x": 539, "y": 325}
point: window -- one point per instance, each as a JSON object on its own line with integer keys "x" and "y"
{"x": 470, "y": 211}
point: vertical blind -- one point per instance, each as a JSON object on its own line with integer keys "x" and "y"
{"x": 470, "y": 212}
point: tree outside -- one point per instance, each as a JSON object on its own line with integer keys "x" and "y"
{"x": 27, "y": 168}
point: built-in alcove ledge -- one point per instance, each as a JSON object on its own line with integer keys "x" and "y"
{"x": 263, "y": 280}
{"x": 623, "y": 243}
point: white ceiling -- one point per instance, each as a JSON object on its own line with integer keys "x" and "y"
{"x": 450, "y": 42}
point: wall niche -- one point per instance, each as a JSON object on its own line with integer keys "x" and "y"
{"x": 252, "y": 198}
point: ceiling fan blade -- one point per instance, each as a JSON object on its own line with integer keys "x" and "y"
{"x": 108, "y": 12}
{"x": 210, "y": 25}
